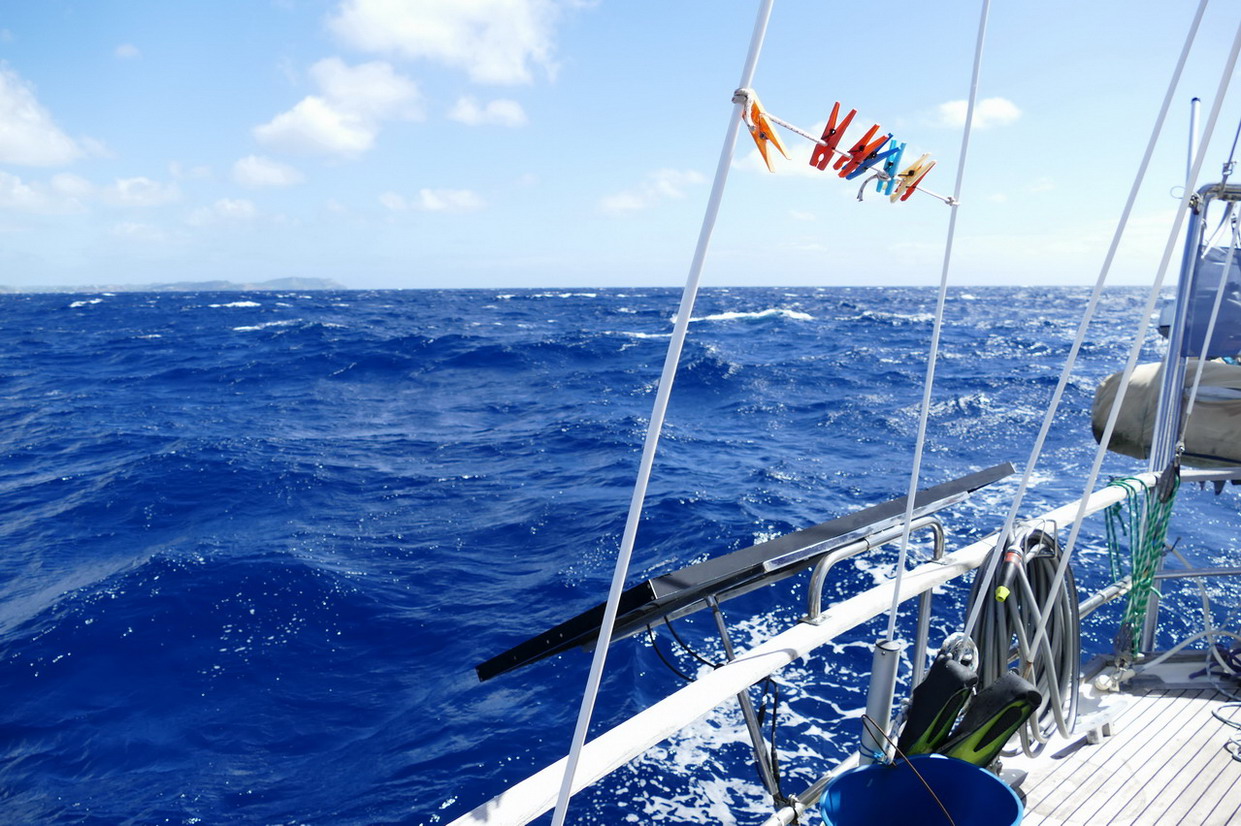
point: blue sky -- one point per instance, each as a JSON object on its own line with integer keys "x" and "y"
{"x": 530, "y": 143}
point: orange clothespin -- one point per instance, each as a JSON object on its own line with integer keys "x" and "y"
{"x": 832, "y": 134}
{"x": 908, "y": 180}
{"x": 755, "y": 118}
{"x": 850, "y": 161}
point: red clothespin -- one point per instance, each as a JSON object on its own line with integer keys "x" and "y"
{"x": 908, "y": 180}
{"x": 755, "y": 118}
{"x": 832, "y": 134}
{"x": 853, "y": 159}
{"x": 873, "y": 157}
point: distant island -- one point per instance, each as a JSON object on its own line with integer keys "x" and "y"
{"x": 276, "y": 284}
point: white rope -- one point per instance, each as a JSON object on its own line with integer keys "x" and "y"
{"x": 679, "y": 331}
{"x": 1206, "y": 343}
{"x": 924, "y": 413}
{"x": 1136, "y": 349}
{"x": 1091, "y": 307}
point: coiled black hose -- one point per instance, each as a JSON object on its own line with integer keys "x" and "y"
{"x": 1005, "y": 630}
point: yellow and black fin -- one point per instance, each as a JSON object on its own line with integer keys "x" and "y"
{"x": 991, "y": 719}
{"x": 935, "y": 705}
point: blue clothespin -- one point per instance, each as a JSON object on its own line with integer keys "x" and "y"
{"x": 874, "y": 157}
{"x": 890, "y": 166}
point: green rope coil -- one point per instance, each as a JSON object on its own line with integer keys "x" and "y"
{"x": 1143, "y": 517}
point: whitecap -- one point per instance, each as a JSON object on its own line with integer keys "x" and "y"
{"x": 237, "y": 304}
{"x": 771, "y": 312}
{"x": 633, "y": 334}
{"x": 265, "y": 325}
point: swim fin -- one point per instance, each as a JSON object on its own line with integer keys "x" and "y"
{"x": 991, "y": 719}
{"x": 935, "y": 704}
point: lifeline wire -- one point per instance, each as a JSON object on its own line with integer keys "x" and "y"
{"x": 1091, "y": 306}
{"x": 679, "y": 330}
{"x": 924, "y": 413}
{"x": 1136, "y": 350}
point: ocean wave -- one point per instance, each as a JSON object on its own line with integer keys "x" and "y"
{"x": 897, "y": 318}
{"x": 260, "y": 562}
{"x": 267, "y": 325}
{"x": 772, "y": 312}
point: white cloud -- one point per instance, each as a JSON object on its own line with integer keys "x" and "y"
{"x": 16, "y": 194}
{"x": 345, "y": 118}
{"x": 141, "y": 192}
{"x": 313, "y": 126}
{"x": 496, "y": 113}
{"x": 135, "y": 231}
{"x": 494, "y": 41}
{"x": 72, "y": 186}
{"x": 449, "y": 200}
{"x": 987, "y": 113}
{"x": 224, "y": 210}
{"x": 180, "y": 171}
{"x": 94, "y": 148}
{"x": 394, "y": 202}
{"x": 435, "y": 200}
{"x": 127, "y": 51}
{"x": 68, "y": 193}
{"x": 28, "y": 136}
{"x": 369, "y": 90}
{"x": 658, "y": 187}
{"x": 257, "y": 171}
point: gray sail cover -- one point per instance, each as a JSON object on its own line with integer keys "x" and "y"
{"x": 1226, "y": 338}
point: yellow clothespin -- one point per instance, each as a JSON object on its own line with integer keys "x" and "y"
{"x": 761, "y": 131}
{"x": 908, "y": 180}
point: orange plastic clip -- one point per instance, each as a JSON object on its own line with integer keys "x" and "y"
{"x": 909, "y": 179}
{"x": 761, "y": 131}
{"x": 832, "y": 134}
{"x": 848, "y": 162}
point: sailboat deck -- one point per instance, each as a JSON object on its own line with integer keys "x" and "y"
{"x": 1164, "y": 763}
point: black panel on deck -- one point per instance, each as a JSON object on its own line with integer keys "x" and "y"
{"x": 684, "y": 591}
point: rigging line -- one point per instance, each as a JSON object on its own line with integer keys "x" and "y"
{"x": 1206, "y": 343}
{"x": 660, "y": 407}
{"x": 1136, "y": 350}
{"x": 1229, "y": 165}
{"x": 924, "y": 412}
{"x": 1232, "y": 153}
{"x": 1091, "y": 307}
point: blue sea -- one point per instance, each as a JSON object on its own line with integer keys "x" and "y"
{"x": 254, "y": 544}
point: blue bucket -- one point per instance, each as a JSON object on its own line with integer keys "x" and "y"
{"x": 877, "y": 794}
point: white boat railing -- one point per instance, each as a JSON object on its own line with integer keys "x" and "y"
{"x": 614, "y": 748}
